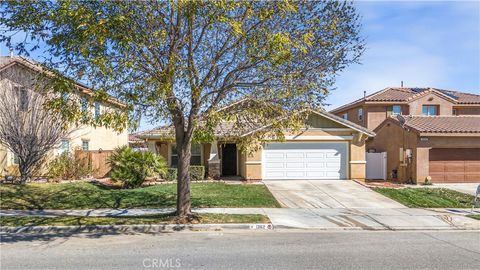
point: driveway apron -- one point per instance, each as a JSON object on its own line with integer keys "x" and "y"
{"x": 327, "y": 194}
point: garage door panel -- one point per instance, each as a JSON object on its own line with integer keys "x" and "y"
{"x": 315, "y": 165}
{"x": 295, "y": 165}
{"x": 315, "y": 155}
{"x": 275, "y": 165}
{"x": 455, "y": 165}
{"x": 275, "y": 174}
{"x": 472, "y": 166}
{"x": 305, "y": 160}
{"x": 437, "y": 166}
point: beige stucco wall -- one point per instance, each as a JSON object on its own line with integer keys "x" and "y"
{"x": 353, "y": 115}
{"x": 250, "y": 164}
{"x": 431, "y": 99}
{"x": 391, "y": 138}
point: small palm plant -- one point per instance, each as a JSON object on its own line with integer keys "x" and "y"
{"x": 133, "y": 167}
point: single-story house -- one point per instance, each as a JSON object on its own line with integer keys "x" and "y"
{"x": 444, "y": 147}
{"x": 328, "y": 147}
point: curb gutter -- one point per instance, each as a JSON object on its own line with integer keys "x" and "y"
{"x": 126, "y": 229}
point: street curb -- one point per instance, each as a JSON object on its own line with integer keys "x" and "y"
{"x": 378, "y": 228}
{"x": 155, "y": 229}
{"x": 131, "y": 229}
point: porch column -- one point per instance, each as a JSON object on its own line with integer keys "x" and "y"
{"x": 214, "y": 162}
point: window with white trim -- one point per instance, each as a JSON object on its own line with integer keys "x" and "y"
{"x": 345, "y": 116}
{"x": 196, "y": 158}
{"x": 430, "y": 110}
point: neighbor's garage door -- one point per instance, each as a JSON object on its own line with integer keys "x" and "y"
{"x": 455, "y": 165}
{"x": 296, "y": 160}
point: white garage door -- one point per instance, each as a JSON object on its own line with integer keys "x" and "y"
{"x": 297, "y": 160}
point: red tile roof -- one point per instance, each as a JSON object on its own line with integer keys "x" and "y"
{"x": 443, "y": 124}
{"x": 405, "y": 94}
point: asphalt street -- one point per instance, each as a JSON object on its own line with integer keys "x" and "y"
{"x": 245, "y": 250}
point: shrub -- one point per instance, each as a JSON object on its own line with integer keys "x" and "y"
{"x": 171, "y": 174}
{"x": 196, "y": 173}
{"x": 133, "y": 167}
{"x": 65, "y": 166}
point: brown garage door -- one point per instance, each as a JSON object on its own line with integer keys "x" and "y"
{"x": 455, "y": 165}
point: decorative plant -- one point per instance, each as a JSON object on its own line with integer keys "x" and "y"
{"x": 133, "y": 167}
{"x": 66, "y": 167}
{"x": 428, "y": 181}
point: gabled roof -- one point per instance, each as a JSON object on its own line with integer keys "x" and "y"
{"x": 407, "y": 94}
{"x": 228, "y": 130}
{"x": 467, "y": 124}
{"x": 9, "y": 61}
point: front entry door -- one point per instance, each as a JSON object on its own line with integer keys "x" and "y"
{"x": 229, "y": 159}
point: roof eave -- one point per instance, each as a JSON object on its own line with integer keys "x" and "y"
{"x": 449, "y": 134}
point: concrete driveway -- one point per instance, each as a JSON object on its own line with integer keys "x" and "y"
{"x": 327, "y": 194}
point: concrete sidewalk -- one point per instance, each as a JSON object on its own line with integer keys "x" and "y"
{"x": 313, "y": 218}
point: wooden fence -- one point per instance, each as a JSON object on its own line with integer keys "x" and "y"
{"x": 98, "y": 160}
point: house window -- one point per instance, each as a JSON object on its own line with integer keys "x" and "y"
{"x": 65, "y": 146}
{"x": 23, "y": 100}
{"x": 196, "y": 158}
{"x": 396, "y": 110}
{"x": 429, "y": 110}
{"x": 454, "y": 112}
{"x": 85, "y": 145}
{"x": 360, "y": 114}
{"x": 97, "y": 109}
{"x": 345, "y": 116}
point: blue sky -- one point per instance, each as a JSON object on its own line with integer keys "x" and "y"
{"x": 428, "y": 43}
{"x": 433, "y": 44}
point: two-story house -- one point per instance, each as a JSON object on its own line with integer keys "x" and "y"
{"x": 19, "y": 71}
{"x": 426, "y": 132}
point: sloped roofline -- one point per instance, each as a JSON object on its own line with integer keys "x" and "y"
{"x": 412, "y": 98}
{"x": 331, "y": 117}
{"x": 37, "y": 67}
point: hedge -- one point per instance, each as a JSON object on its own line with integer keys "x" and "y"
{"x": 196, "y": 173}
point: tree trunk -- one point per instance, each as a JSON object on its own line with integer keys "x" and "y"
{"x": 183, "y": 178}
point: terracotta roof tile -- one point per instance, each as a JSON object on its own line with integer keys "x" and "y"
{"x": 404, "y": 94}
{"x": 229, "y": 129}
{"x": 443, "y": 124}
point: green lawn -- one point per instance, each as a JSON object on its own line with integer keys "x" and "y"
{"x": 84, "y": 195}
{"x": 474, "y": 216}
{"x": 153, "y": 219}
{"x": 428, "y": 197}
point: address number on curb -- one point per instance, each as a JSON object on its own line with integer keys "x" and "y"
{"x": 261, "y": 227}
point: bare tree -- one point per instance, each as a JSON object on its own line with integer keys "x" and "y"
{"x": 28, "y": 129}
